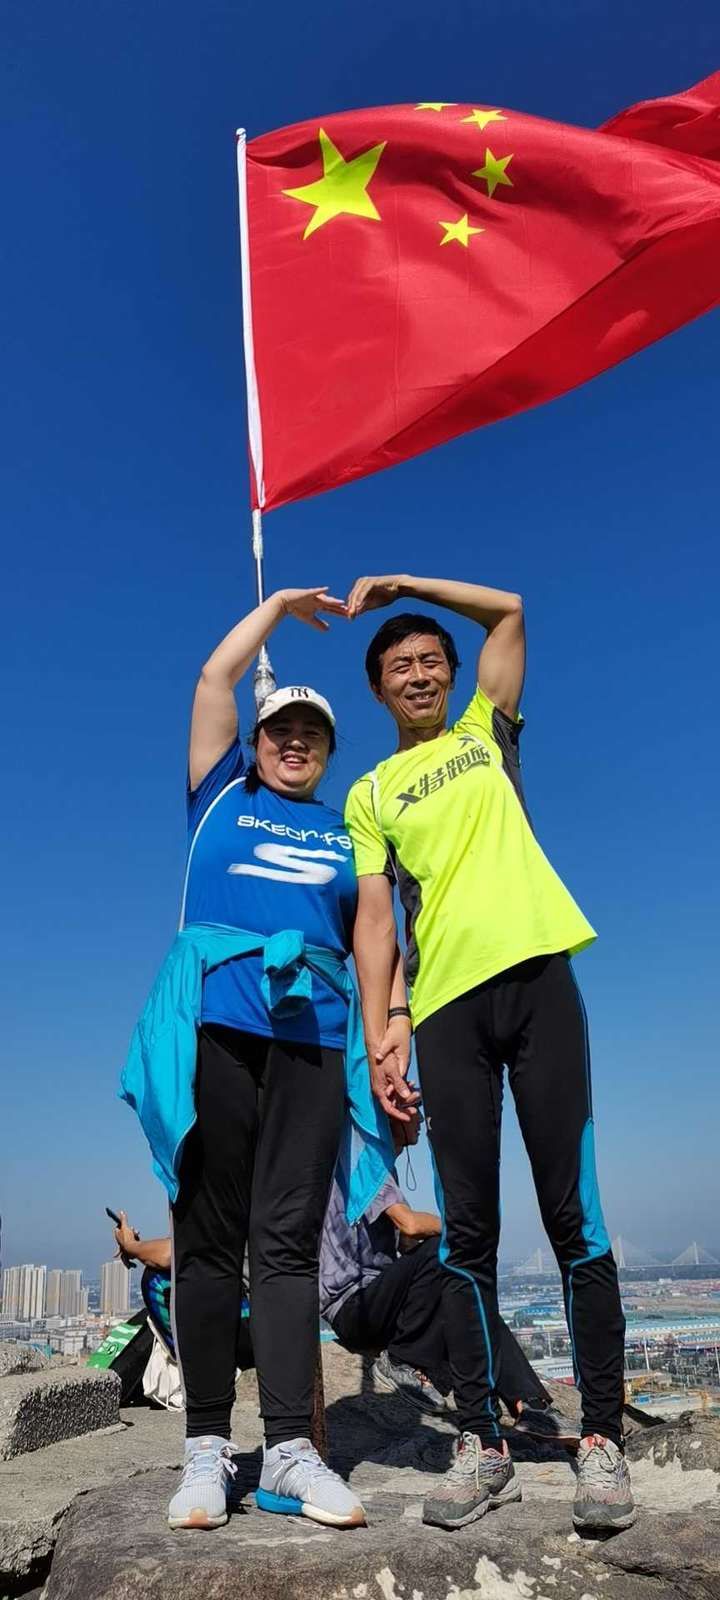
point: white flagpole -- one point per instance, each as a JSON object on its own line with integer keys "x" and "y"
{"x": 264, "y": 680}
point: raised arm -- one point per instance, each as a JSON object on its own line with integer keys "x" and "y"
{"x": 214, "y": 715}
{"x": 501, "y": 664}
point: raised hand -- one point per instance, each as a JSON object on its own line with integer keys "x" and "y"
{"x": 369, "y": 594}
{"x": 304, "y": 604}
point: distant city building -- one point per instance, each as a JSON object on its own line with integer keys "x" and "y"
{"x": 71, "y": 1294}
{"x": 114, "y": 1289}
{"x": 23, "y": 1292}
{"x": 52, "y": 1296}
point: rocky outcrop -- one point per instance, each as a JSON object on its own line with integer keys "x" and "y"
{"x": 39, "y": 1408}
{"x": 16, "y": 1357}
{"x": 113, "y": 1542}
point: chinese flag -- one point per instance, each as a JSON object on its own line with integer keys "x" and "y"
{"x": 412, "y": 272}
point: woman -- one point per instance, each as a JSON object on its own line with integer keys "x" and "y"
{"x": 268, "y": 1104}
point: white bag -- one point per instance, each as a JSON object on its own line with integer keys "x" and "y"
{"x": 161, "y": 1378}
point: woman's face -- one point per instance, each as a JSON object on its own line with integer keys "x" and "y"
{"x": 292, "y": 751}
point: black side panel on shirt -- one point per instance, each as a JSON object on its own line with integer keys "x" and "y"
{"x": 506, "y": 734}
{"x": 411, "y": 900}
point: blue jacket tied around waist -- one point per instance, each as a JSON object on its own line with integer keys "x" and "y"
{"x": 158, "y": 1079}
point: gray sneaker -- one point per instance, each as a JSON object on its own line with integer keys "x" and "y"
{"x": 478, "y": 1481}
{"x": 201, "y": 1499}
{"x": 548, "y": 1424}
{"x": 603, "y": 1497}
{"x": 296, "y": 1482}
{"x": 410, "y": 1382}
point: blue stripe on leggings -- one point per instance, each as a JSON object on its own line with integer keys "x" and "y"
{"x": 462, "y": 1272}
{"x": 594, "y": 1231}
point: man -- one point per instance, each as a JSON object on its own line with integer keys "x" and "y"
{"x": 490, "y": 931}
{"x": 387, "y": 1303}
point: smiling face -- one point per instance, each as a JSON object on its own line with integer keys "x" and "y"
{"x": 415, "y": 682}
{"x": 292, "y": 751}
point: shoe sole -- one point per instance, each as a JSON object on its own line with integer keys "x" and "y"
{"x": 287, "y": 1506}
{"x": 417, "y": 1403}
{"x": 603, "y": 1524}
{"x": 494, "y": 1502}
{"x": 198, "y": 1519}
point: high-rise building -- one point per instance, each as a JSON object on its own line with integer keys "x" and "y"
{"x": 24, "y": 1292}
{"x": 71, "y": 1293}
{"x": 114, "y": 1289}
{"x": 65, "y": 1296}
{"x": 54, "y": 1290}
{"x": 11, "y": 1291}
{"x": 34, "y": 1295}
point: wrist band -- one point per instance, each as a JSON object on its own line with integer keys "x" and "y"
{"x": 400, "y": 1011}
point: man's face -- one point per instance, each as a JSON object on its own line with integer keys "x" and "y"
{"x": 415, "y": 682}
{"x": 292, "y": 751}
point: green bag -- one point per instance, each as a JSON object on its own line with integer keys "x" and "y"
{"x": 126, "y": 1350}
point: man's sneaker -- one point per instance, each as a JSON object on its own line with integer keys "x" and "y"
{"x": 412, "y": 1384}
{"x": 548, "y": 1424}
{"x": 478, "y": 1481}
{"x": 295, "y": 1480}
{"x": 201, "y": 1500}
{"x": 603, "y": 1497}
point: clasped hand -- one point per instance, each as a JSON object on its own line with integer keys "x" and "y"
{"x": 367, "y": 594}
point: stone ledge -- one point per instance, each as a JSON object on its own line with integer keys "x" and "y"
{"x": 39, "y": 1408}
{"x": 522, "y": 1552}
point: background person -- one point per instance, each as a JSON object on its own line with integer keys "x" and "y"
{"x": 491, "y": 929}
{"x": 385, "y": 1302}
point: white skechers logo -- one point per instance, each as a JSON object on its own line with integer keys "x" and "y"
{"x": 290, "y": 864}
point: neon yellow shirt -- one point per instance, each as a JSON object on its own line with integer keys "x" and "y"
{"x": 478, "y": 891}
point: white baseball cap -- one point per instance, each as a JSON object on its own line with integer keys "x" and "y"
{"x": 296, "y": 695}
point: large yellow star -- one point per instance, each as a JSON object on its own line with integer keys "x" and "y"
{"x": 494, "y": 172}
{"x": 482, "y": 118}
{"x": 435, "y": 105}
{"x": 459, "y": 231}
{"x": 342, "y": 189}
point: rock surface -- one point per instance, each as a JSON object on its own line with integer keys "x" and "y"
{"x": 105, "y": 1495}
{"x": 16, "y": 1356}
{"x": 114, "y": 1543}
{"x": 38, "y": 1408}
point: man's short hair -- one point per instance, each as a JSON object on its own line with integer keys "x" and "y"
{"x": 401, "y": 627}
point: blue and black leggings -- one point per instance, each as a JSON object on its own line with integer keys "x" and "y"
{"x": 530, "y": 1018}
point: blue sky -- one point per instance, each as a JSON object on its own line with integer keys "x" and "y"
{"x": 125, "y": 505}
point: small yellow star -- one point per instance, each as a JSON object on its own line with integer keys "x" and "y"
{"x": 482, "y": 118}
{"x": 459, "y": 231}
{"x": 494, "y": 172}
{"x": 342, "y": 189}
{"x": 435, "y": 105}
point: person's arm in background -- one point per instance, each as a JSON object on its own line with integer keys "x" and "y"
{"x": 150, "y": 1252}
{"x": 501, "y": 664}
{"x": 214, "y": 722}
{"x": 414, "y": 1225}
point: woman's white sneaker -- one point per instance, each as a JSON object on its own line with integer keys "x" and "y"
{"x": 296, "y": 1482}
{"x": 201, "y": 1500}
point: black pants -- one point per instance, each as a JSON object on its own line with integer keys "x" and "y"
{"x": 401, "y": 1311}
{"x": 532, "y": 1019}
{"x": 256, "y": 1167}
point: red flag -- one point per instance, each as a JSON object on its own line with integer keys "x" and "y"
{"x": 412, "y": 272}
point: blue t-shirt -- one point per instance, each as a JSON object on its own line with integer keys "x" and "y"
{"x": 265, "y": 863}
